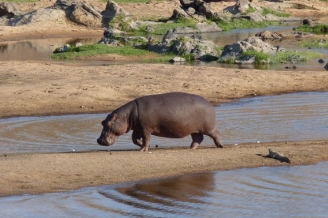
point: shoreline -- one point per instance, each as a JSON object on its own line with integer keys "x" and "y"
{"x": 39, "y": 173}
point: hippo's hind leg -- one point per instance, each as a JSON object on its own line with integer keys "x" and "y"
{"x": 136, "y": 138}
{"x": 215, "y": 135}
{"x": 197, "y": 138}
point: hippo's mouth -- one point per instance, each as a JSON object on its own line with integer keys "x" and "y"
{"x": 105, "y": 141}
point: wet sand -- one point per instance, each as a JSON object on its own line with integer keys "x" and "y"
{"x": 43, "y": 173}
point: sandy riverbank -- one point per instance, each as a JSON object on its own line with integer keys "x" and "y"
{"x": 42, "y": 173}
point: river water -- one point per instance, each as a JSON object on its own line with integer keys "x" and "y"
{"x": 290, "y": 117}
{"x": 41, "y": 49}
{"x": 298, "y": 191}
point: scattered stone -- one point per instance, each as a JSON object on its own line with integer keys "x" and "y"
{"x": 278, "y": 156}
{"x": 265, "y": 35}
{"x": 178, "y": 60}
{"x": 326, "y": 67}
{"x": 293, "y": 67}
{"x": 309, "y": 22}
{"x": 62, "y": 49}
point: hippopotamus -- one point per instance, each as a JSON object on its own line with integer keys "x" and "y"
{"x": 170, "y": 115}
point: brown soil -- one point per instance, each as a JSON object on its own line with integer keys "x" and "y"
{"x": 40, "y": 88}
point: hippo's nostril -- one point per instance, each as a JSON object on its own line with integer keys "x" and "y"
{"x": 99, "y": 141}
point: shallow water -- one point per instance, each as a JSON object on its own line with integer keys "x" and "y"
{"x": 41, "y": 49}
{"x": 298, "y": 191}
{"x": 290, "y": 117}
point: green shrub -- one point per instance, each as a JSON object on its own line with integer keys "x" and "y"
{"x": 315, "y": 44}
{"x": 243, "y": 24}
{"x": 317, "y": 29}
{"x": 277, "y": 13}
{"x": 98, "y": 49}
{"x": 259, "y": 56}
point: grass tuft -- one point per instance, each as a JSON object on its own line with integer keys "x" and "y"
{"x": 98, "y": 49}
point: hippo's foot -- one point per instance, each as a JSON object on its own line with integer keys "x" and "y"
{"x": 194, "y": 145}
{"x": 143, "y": 148}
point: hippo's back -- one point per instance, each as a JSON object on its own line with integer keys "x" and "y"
{"x": 175, "y": 114}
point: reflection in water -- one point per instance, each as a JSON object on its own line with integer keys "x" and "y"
{"x": 40, "y": 49}
{"x": 291, "y": 117}
{"x": 297, "y": 191}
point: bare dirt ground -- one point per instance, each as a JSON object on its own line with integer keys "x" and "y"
{"x": 40, "y": 88}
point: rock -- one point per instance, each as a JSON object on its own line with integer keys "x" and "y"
{"x": 309, "y": 22}
{"x": 278, "y": 156}
{"x": 62, "y": 49}
{"x": 206, "y": 10}
{"x": 80, "y": 12}
{"x": 246, "y": 60}
{"x": 207, "y": 28}
{"x": 112, "y": 11}
{"x": 242, "y": 6}
{"x": 233, "y": 52}
{"x": 326, "y": 67}
{"x": 84, "y": 14}
{"x": 187, "y": 3}
{"x": 321, "y": 61}
{"x": 179, "y": 13}
{"x": 41, "y": 15}
{"x": 116, "y": 37}
{"x": 7, "y": 9}
{"x": 195, "y": 45}
{"x": 265, "y": 35}
{"x": 178, "y": 60}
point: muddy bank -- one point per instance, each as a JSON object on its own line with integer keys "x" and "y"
{"x": 42, "y": 173}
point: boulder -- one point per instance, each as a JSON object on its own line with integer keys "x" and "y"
{"x": 115, "y": 37}
{"x": 180, "y": 13}
{"x": 187, "y": 3}
{"x": 233, "y": 52}
{"x": 41, "y": 15}
{"x": 177, "y": 60}
{"x": 309, "y": 22}
{"x": 195, "y": 45}
{"x": 112, "y": 11}
{"x": 7, "y": 9}
{"x": 267, "y": 35}
{"x": 80, "y": 12}
{"x": 326, "y": 67}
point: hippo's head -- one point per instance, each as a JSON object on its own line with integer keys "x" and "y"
{"x": 113, "y": 127}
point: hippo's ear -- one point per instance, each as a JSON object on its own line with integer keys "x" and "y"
{"x": 115, "y": 116}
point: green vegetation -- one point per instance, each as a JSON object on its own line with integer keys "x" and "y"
{"x": 243, "y": 24}
{"x": 298, "y": 56}
{"x": 250, "y": 10}
{"x": 301, "y": 56}
{"x": 277, "y": 13}
{"x": 259, "y": 56}
{"x": 317, "y": 29}
{"x": 165, "y": 58}
{"x": 320, "y": 43}
{"x": 98, "y": 49}
{"x": 161, "y": 29}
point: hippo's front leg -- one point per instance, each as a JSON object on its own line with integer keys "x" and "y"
{"x": 145, "y": 141}
{"x": 136, "y": 138}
